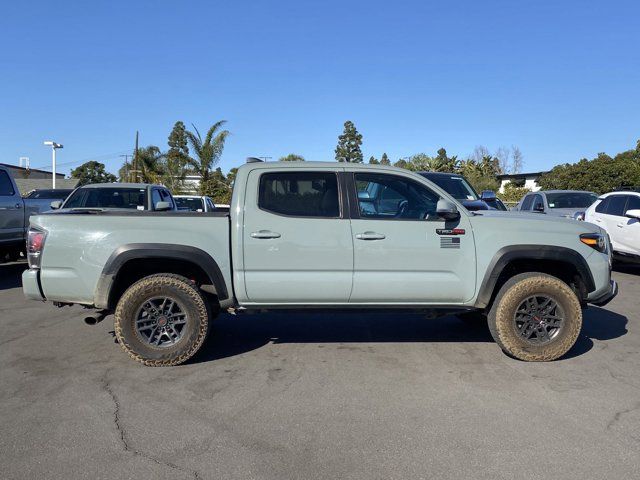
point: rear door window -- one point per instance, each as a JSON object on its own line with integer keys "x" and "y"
{"x": 538, "y": 203}
{"x": 527, "y": 202}
{"x": 6, "y": 187}
{"x": 300, "y": 194}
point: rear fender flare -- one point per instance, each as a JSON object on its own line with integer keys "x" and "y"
{"x": 135, "y": 251}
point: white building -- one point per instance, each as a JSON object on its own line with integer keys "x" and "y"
{"x": 528, "y": 180}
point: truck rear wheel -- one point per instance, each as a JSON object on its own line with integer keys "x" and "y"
{"x": 162, "y": 320}
{"x": 535, "y": 317}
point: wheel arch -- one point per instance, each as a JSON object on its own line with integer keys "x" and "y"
{"x": 130, "y": 262}
{"x": 562, "y": 262}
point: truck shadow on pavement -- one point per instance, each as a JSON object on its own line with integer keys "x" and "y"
{"x": 11, "y": 275}
{"x": 235, "y": 335}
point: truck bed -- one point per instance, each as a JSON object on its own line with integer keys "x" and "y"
{"x": 79, "y": 244}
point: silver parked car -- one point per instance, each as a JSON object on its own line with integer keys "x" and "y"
{"x": 558, "y": 203}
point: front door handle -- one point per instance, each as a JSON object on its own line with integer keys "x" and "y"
{"x": 621, "y": 225}
{"x": 265, "y": 234}
{"x": 370, "y": 236}
{"x": 598, "y": 220}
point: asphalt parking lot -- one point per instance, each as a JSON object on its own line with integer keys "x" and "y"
{"x": 310, "y": 396}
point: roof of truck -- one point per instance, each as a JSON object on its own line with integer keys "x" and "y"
{"x": 305, "y": 164}
{"x": 119, "y": 185}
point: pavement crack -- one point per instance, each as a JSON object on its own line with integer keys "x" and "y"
{"x": 619, "y": 414}
{"x": 126, "y": 445}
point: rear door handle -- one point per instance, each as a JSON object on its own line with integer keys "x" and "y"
{"x": 370, "y": 236}
{"x": 263, "y": 234}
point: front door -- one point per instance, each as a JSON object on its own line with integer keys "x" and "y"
{"x": 297, "y": 241}
{"x": 11, "y": 211}
{"x": 403, "y": 251}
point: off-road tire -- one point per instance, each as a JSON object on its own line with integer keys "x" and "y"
{"x": 512, "y": 294}
{"x": 197, "y": 326}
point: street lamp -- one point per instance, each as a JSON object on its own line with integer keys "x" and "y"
{"x": 54, "y": 146}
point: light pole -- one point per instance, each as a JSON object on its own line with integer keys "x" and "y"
{"x": 54, "y": 146}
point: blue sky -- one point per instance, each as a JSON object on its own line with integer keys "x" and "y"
{"x": 559, "y": 79}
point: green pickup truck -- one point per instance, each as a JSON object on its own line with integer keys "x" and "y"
{"x": 321, "y": 236}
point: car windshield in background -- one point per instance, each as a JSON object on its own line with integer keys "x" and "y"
{"x": 192, "y": 203}
{"x": 57, "y": 194}
{"x": 570, "y": 199}
{"x": 457, "y": 187}
{"x": 107, "y": 198}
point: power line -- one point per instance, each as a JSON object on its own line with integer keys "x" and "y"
{"x": 75, "y": 162}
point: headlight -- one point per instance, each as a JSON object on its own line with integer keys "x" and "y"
{"x": 595, "y": 241}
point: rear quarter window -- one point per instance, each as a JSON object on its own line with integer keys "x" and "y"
{"x": 6, "y": 187}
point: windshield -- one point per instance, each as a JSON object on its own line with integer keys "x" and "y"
{"x": 50, "y": 194}
{"x": 571, "y": 199}
{"x": 107, "y": 198}
{"x": 192, "y": 203}
{"x": 455, "y": 186}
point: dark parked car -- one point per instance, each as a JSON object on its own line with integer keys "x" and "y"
{"x": 127, "y": 196}
{"x": 458, "y": 187}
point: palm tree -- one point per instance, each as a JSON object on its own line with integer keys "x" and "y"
{"x": 149, "y": 166}
{"x": 206, "y": 154}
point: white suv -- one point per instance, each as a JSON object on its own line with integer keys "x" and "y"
{"x": 619, "y": 214}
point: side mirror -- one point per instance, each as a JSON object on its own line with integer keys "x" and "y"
{"x": 488, "y": 195}
{"x": 162, "y": 206}
{"x": 56, "y": 204}
{"x": 635, "y": 213}
{"x": 447, "y": 210}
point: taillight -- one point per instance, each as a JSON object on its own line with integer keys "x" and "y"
{"x": 35, "y": 244}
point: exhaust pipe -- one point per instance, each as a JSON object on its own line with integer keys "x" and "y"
{"x": 95, "y": 319}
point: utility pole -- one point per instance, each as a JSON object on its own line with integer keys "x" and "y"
{"x": 135, "y": 159}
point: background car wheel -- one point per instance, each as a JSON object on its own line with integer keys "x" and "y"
{"x": 162, "y": 320}
{"x": 535, "y": 317}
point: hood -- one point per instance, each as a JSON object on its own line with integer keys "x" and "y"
{"x": 527, "y": 221}
{"x": 474, "y": 205}
{"x": 564, "y": 212}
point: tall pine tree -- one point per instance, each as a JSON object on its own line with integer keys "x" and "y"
{"x": 348, "y": 148}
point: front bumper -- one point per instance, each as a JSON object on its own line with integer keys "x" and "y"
{"x": 31, "y": 285}
{"x": 605, "y": 297}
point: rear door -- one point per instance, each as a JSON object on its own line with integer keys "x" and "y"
{"x": 628, "y": 229}
{"x": 404, "y": 253}
{"x": 296, "y": 237}
{"x": 12, "y": 220}
{"x": 612, "y": 216}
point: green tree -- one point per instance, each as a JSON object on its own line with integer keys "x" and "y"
{"x": 384, "y": 160}
{"x": 207, "y": 152}
{"x": 217, "y": 187}
{"x": 176, "y": 159}
{"x": 601, "y": 174}
{"x": 149, "y": 165}
{"x": 348, "y": 148}
{"x": 373, "y": 160}
{"x": 292, "y": 157}
{"x": 512, "y": 193}
{"x": 92, "y": 172}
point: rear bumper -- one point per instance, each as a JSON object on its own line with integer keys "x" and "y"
{"x": 606, "y": 296}
{"x": 31, "y": 285}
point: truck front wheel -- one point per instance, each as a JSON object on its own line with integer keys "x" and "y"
{"x": 162, "y": 320}
{"x": 535, "y": 317}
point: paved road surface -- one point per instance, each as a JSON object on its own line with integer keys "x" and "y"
{"x": 309, "y": 396}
